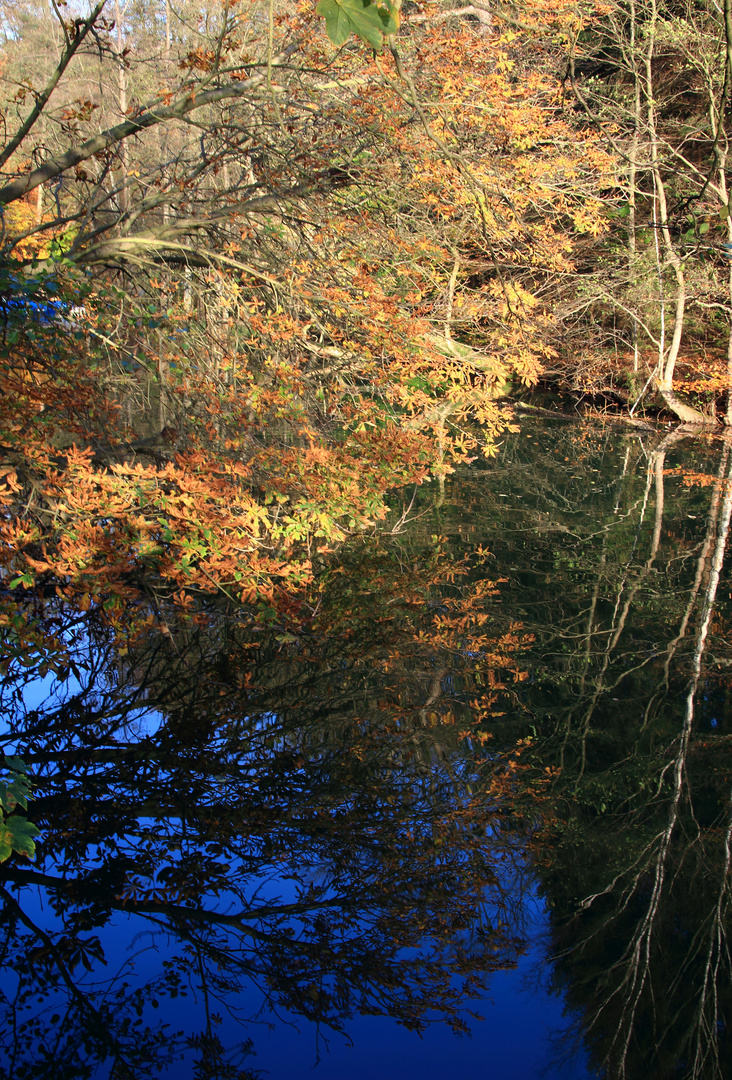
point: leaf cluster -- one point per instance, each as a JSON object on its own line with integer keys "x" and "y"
{"x": 17, "y": 834}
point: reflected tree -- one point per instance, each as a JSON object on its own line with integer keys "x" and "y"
{"x": 285, "y": 808}
{"x": 342, "y": 804}
{"x": 625, "y": 707}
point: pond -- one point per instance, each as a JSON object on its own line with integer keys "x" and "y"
{"x": 490, "y": 774}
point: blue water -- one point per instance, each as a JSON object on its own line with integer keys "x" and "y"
{"x": 523, "y": 1034}
{"x": 523, "y": 1029}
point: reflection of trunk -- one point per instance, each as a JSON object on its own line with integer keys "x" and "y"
{"x": 641, "y": 950}
{"x": 620, "y": 614}
{"x": 701, "y": 568}
{"x": 636, "y": 959}
{"x": 710, "y": 1022}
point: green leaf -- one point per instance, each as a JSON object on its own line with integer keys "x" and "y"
{"x": 704, "y": 228}
{"x": 386, "y": 14}
{"x": 365, "y": 19}
{"x": 25, "y": 579}
{"x": 8, "y": 799}
{"x": 338, "y": 26}
{"x": 17, "y": 834}
{"x": 16, "y": 764}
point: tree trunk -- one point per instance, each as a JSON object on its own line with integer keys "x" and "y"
{"x": 125, "y": 202}
{"x": 667, "y": 359}
{"x": 686, "y": 413}
{"x": 633, "y": 185}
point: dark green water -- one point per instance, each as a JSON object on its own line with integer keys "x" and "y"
{"x": 498, "y": 740}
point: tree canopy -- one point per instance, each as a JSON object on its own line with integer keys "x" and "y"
{"x": 252, "y": 281}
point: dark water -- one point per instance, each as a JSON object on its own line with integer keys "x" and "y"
{"x": 486, "y": 771}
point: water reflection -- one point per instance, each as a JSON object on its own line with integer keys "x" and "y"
{"x": 301, "y": 816}
{"x": 350, "y": 810}
{"x": 628, "y": 600}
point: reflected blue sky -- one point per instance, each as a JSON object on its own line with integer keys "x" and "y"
{"x": 520, "y": 1035}
{"x": 523, "y": 1033}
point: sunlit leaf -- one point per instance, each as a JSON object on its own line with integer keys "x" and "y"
{"x": 367, "y": 20}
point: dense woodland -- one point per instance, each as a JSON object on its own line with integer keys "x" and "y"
{"x": 253, "y": 280}
{"x": 262, "y": 263}
{"x": 270, "y": 273}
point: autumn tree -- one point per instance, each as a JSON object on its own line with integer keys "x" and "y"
{"x": 307, "y": 277}
{"x": 655, "y": 80}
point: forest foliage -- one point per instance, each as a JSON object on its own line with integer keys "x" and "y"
{"x": 263, "y": 263}
{"x": 252, "y": 281}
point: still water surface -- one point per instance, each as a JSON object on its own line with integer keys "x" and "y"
{"x": 489, "y": 772}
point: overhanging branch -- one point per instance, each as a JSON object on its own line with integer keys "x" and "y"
{"x": 112, "y": 136}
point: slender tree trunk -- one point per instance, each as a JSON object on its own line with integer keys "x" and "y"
{"x": 668, "y": 358}
{"x": 633, "y": 183}
{"x": 168, "y": 40}
{"x": 724, "y": 190}
{"x": 124, "y": 196}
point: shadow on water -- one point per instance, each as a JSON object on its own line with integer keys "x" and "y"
{"x": 350, "y": 817}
